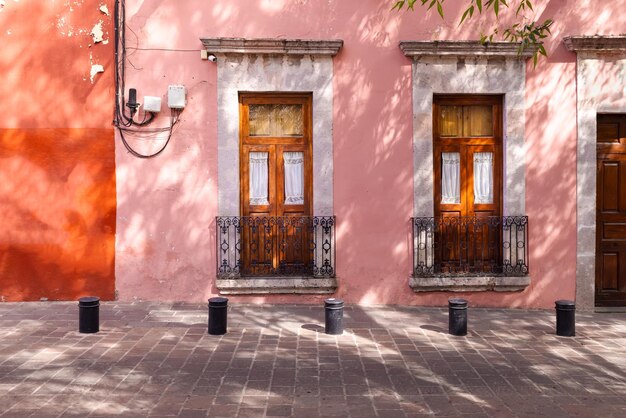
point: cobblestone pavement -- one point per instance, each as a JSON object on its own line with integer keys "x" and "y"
{"x": 155, "y": 359}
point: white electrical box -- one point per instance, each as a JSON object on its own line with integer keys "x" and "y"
{"x": 176, "y": 97}
{"x": 151, "y": 104}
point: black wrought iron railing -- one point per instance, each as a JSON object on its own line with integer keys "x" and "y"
{"x": 260, "y": 246}
{"x": 470, "y": 246}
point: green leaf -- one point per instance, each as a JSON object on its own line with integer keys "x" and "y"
{"x": 440, "y": 9}
{"x": 464, "y": 16}
{"x": 542, "y": 51}
{"x": 398, "y": 5}
{"x": 479, "y": 4}
{"x": 496, "y": 7}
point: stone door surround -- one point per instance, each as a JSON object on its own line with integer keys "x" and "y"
{"x": 592, "y": 53}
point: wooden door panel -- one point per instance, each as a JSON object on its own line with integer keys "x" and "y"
{"x": 610, "y": 270}
{"x": 612, "y": 231}
{"x": 611, "y": 211}
{"x": 256, "y": 235}
{"x": 484, "y": 252}
{"x": 608, "y": 133}
{"x": 258, "y": 245}
{"x": 448, "y": 240}
{"x": 294, "y": 232}
{"x": 610, "y": 186}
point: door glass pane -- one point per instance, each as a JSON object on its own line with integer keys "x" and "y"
{"x": 260, "y": 119}
{"x": 483, "y": 177}
{"x": 477, "y": 121}
{"x": 258, "y": 178}
{"x": 275, "y": 120}
{"x": 294, "y": 178}
{"x": 450, "y": 177}
{"x": 450, "y": 120}
{"x": 288, "y": 120}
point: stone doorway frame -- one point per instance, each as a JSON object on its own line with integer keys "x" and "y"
{"x": 591, "y": 51}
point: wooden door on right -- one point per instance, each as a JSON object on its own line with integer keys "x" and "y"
{"x": 611, "y": 211}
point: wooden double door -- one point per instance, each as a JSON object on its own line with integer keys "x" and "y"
{"x": 467, "y": 149}
{"x": 276, "y": 183}
{"x": 611, "y": 211}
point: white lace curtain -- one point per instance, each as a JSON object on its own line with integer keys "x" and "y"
{"x": 450, "y": 178}
{"x": 483, "y": 177}
{"x": 258, "y": 178}
{"x": 294, "y": 178}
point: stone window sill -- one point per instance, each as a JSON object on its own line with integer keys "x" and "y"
{"x": 276, "y": 285}
{"x": 469, "y": 284}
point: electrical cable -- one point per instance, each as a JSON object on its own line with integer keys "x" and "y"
{"x": 121, "y": 121}
{"x": 160, "y": 150}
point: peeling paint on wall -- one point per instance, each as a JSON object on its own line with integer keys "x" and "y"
{"x": 97, "y": 32}
{"x": 103, "y": 8}
{"x": 95, "y": 69}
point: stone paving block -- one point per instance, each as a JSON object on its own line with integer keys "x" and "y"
{"x": 226, "y": 411}
{"x": 193, "y": 413}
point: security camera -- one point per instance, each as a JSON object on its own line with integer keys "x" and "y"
{"x": 212, "y": 58}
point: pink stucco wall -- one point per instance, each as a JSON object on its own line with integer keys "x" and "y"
{"x": 166, "y": 206}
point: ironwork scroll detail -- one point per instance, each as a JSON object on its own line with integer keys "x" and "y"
{"x": 470, "y": 246}
{"x": 249, "y": 246}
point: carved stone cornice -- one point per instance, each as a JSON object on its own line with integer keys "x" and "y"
{"x": 596, "y": 43}
{"x": 272, "y": 46}
{"x": 415, "y": 49}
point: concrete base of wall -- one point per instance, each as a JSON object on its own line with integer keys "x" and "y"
{"x": 277, "y": 285}
{"x": 469, "y": 284}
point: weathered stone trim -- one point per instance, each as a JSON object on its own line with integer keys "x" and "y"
{"x": 275, "y": 73}
{"x": 596, "y": 43}
{"x": 415, "y": 49}
{"x": 469, "y": 284}
{"x": 272, "y": 46}
{"x": 473, "y": 75}
{"x": 276, "y": 285}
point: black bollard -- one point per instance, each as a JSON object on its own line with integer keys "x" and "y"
{"x": 218, "y": 316}
{"x": 89, "y": 315}
{"x": 457, "y": 316}
{"x": 334, "y": 316}
{"x": 565, "y": 318}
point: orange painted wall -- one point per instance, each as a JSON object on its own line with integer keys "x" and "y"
{"x": 57, "y": 160}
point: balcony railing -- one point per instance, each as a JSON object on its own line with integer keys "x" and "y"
{"x": 470, "y": 246}
{"x": 262, "y": 246}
